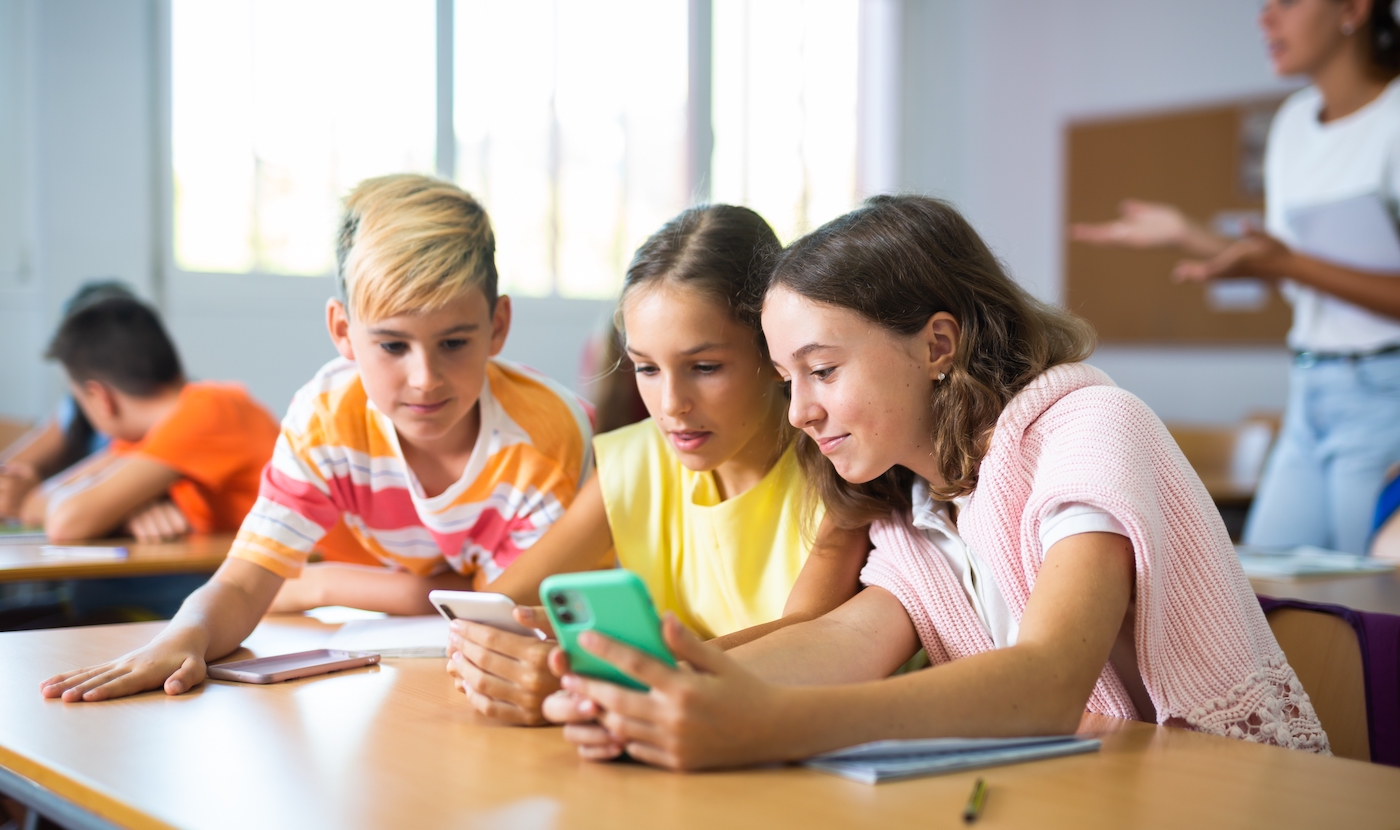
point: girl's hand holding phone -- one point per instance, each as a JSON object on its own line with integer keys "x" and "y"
{"x": 504, "y": 675}
{"x": 688, "y": 720}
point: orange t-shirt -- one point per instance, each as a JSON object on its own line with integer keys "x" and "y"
{"x": 218, "y": 439}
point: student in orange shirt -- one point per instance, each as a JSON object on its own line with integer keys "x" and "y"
{"x": 185, "y": 457}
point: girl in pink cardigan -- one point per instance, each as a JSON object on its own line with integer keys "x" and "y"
{"x": 1035, "y": 530}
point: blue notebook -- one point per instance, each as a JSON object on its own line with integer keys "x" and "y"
{"x": 895, "y": 760}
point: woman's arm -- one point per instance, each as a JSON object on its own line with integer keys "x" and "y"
{"x": 579, "y": 541}
{"x": 829, "y": 577}
{"x": 731, "y": 712}
{"x": 1151, "y": 225}
{"x": 1260, "y": 255}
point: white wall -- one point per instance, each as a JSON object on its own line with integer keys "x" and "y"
{"x": 989, "y": 88}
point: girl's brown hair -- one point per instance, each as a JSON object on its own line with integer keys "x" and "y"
{"x": 722, "y": 251}
{"x": 897, "y": 261}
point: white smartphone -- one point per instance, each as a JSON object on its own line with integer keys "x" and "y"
{"x": 291, "y": 666}
{"x": 480, "y": 607}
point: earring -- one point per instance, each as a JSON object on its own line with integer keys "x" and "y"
{"x": 941, "y": 376}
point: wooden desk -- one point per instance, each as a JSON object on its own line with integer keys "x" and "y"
{"x": 198, "y": 554}
{"x": 1363, "y": 592}
{"x": 396, "y": 746}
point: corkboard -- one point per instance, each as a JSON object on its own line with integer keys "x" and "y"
{"x": 1205, "y": 161}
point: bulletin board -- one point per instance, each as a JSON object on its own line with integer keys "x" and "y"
{"x": 1208, "y": 162}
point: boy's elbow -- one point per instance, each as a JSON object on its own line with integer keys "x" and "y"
{"x": 66, "y": 524}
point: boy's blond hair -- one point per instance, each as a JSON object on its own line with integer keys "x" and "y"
{"x": 412, "y": 243}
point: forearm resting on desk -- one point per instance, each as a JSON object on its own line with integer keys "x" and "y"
{"x": 364, "y": 586}
{"x": 213, "y": 621}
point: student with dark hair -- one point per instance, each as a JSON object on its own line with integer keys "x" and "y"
{"x": 184, "y": 456}
{"x": 1334, "y": 146}
{"x": 705, "y": 499}
{"x": 1035, "y": 530}
{"x": 64, "y": 439}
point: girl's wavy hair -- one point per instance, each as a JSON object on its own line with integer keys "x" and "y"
{"x": 897, "y": 261}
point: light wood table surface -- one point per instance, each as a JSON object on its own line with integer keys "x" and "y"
{"x": 396, "y": 746}
{"x": 196, "y": 554}
{"x": 1362, "y": 592}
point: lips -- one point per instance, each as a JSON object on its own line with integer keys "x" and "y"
{"x": 688, "y": 441}
{"x": 425, "y": 408}
{"x": 829, "y": 444}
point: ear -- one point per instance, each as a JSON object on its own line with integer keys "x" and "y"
{"x": 338, "y": 325}
{"x": 500, "y": 325}
{"x": 938, "y": 343}
{"x": 102, "y": 398}
{"x": 1355, "y": 13}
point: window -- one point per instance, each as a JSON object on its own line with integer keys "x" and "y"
{"x": 784, "y": 109}
{"x": 570, "y": 120}
{"x": 571, "y": 128}
{"x": 278, "y": 107}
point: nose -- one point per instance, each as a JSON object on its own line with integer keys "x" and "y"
{"x": 675, "y": 399}
{"x": 422, "y": 370}
{"x": 803, "y": 409}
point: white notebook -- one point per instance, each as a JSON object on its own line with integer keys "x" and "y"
{"x": 394, "y": 636}
{"x": 894, "y": 760}
{"x": 1358, "y": 233}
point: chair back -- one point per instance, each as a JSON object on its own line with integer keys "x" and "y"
{"x": 1323, "y": 649}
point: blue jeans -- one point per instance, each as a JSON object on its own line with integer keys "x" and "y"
{"x": 1340, "y": 433}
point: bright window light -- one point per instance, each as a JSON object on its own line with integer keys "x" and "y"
{"x": 784, "y": 109}
{"x": 278, "y": 108}
{"x": 571, "y": 129}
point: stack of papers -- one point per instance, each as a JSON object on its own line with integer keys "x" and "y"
{"x": 1305, "y": 560}
{"x": 394, "y": 637}
{"x": 82, "y": 553}
{"x": 893, "y": 760}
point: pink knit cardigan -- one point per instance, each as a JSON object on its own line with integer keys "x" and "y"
{"x": 1205, "y": 651}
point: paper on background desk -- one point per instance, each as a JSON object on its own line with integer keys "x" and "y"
{"x": 13, "y": 534}
{"x": 394, "y": 636}
{"x": 894, "y": 760}
{"x": 1305, "y": 560}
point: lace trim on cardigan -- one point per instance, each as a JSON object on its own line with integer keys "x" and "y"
{"x": 1269, "y": 707}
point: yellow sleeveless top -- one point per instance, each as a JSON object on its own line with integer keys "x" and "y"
{"x": 719, "y": 565}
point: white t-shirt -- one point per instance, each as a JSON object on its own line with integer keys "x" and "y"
{"x": 979, "y": 583}
{"x": 1308, "y": 164}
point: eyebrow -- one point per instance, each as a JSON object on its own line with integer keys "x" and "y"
{"x": 808, "y": 349}
{"x": 692, "y": 350}
{"x": 465, "y": 328}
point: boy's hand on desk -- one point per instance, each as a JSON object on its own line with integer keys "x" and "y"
{"x": 175, "y": 662}
{"x": 17, "y": 479}
{"x": 159, "y": 521}
{"x": 504, "y": 675}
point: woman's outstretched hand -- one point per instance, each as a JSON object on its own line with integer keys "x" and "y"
{"x": 711, "y": 713}
{"x": 1141, "y": 225}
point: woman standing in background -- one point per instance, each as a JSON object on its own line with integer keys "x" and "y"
{"x": 1333, "y": 160}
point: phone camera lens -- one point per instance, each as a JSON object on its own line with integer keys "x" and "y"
{"x": 566, "y": 616}
{"x": 559, "y": 599}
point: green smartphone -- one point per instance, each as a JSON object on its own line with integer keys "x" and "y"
{"x": 614, "y": 603}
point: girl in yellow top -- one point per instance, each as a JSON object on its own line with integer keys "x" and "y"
{"x": 704, "y": 500}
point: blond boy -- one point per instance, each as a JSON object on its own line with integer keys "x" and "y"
{"x": 443, "y": 461}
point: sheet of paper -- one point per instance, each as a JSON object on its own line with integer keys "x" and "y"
{"x": 394, "y": 636}
{"x": 1305, "y": 560}
{"x": 82, "y": 553}
{"x": 1357, "y": 232}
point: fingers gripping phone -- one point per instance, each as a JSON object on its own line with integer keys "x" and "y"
{"x": 480, "y": 607}
{"x": 614, "y": 603}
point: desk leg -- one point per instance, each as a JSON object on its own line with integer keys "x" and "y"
{"x": 42, "y": 802}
